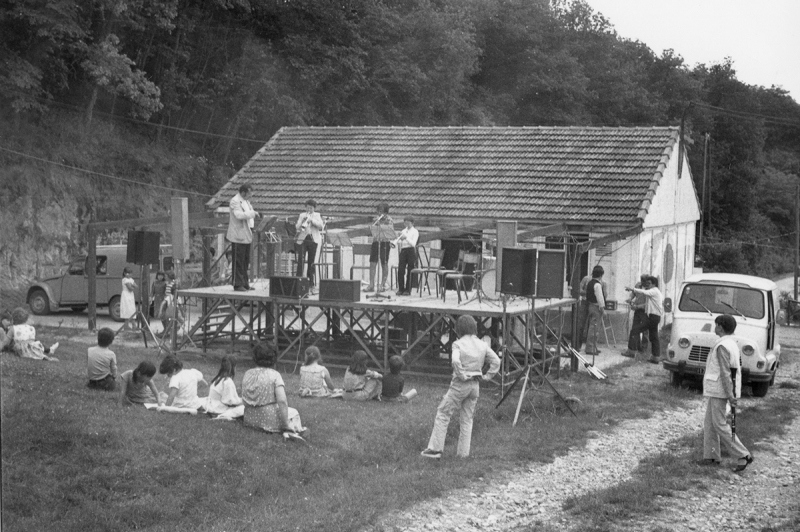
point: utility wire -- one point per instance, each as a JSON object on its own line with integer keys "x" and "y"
{"x": 98, "y": 174}
{"x": 142, "y": 122}
{"x": 745, "y": 114}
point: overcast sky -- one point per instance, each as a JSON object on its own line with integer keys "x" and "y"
{"x": 762, "y": 38}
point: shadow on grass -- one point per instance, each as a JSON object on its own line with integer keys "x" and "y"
{"x": 74, "y": 460}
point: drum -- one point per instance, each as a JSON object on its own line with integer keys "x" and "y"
{"x": 488, "y": 284}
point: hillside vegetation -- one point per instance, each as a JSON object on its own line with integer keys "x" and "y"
{"x": 180, "y": 93}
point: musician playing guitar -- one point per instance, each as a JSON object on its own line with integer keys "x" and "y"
{"x": 380, "y": 249}
{"x": 309, "y": 224}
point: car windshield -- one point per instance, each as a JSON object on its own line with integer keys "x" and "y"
{"x": 722, "y": 299}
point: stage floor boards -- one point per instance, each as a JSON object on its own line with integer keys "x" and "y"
{"x": 427, "y": 304}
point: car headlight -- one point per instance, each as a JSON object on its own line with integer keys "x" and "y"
{"x": 684, "y": 343}
{"x": 748, "y": 350}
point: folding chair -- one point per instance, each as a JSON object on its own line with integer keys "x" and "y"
{"x": 434, "y": 262}
{"x": 360, "y": 250}
{"x": 459, "y": 278}
{"x": 458, "y": 269}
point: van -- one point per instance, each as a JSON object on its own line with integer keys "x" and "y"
{"x": 70, "y": 289}
{"x": 752, "y": 301}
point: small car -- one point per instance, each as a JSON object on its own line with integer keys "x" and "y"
{"x": 752, "y": 301}
{"x": 71, "y": 288}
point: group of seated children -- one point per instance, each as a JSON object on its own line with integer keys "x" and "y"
{"x": 360, "y": 383}
{"x": 19, "y": 336}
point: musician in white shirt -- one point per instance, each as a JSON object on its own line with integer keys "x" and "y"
{"x": 240, "y": 235}
{"x": 407, "y": 253}
{"x": 308, "y": 226}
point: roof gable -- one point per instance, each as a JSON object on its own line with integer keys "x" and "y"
{"x": 537, "y": 174}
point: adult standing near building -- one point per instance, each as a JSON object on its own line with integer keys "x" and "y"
{"x": 637, "y": 341}
{"x": 719, "y": 389}
{"x": 597, "y": 305}
{"x": 654, "y": 308}
{"x": 240, "y": 235}
{"x": 308, "y": 226}
{"x": 407, "y": 256}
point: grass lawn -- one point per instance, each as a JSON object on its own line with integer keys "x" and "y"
{"x": 74, "y": 460}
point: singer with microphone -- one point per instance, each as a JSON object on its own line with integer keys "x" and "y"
{"x": 309, "y": 224}
{"x": 380, "y": 249}
{"x": 407, "y": 256}
{"x": 240, "y": 235}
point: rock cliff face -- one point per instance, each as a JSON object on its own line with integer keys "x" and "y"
{"x": 45, "y": 194}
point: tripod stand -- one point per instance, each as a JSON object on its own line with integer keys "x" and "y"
{"x": 525, "y": 371}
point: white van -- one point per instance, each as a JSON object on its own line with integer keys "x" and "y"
{"x": 70, "y": 289}
{"x": 752, "y": 301}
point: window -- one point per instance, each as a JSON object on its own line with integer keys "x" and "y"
{"x": 76, "y": 267}
{"x": 723, "y": 299}
{"x": 102, "y": 265}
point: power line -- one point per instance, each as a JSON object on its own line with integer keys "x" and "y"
{"x": 745, "y": 114}
{"x": 91, "y": 172}
{"x": 143, "y": 122}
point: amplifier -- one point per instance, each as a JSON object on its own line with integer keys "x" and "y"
{"x": 289, "y": 286}
{"x": 339, "y": 290}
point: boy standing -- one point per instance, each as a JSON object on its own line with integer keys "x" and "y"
{"x": 407, "y": 257}
{"x": 102, "y": 362}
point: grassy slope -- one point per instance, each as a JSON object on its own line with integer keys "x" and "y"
{"x": 73, "y": 460}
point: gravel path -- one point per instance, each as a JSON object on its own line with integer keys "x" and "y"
{"x": 767, "y": 495}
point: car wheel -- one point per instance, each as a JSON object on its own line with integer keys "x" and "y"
{"x": 760, "y": 389}
{"x": 677, "y": 379}
{"x": 39, "y": 303}
{"x": 114, "y": 309}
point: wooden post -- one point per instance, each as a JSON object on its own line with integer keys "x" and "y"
{"x": 575, "y": 284}
{"x": 796, "y": 238}
{"x": 179, "y": 214}
{"x": 91, "y": 267}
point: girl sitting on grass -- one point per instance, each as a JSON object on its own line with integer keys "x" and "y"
{"x": 264, "y": 395}
{"x": 137, "y": 386}
{"x": 360, "y": 383}
{"x": 393, "y": 383}
{"x": 182, "y": 384}
{"x": 315, "y": 380}
{"x": 223, "y": 399}
{"x": 23, "y": 336}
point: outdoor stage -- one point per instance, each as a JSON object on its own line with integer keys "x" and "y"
{"x": 418, "y": 328}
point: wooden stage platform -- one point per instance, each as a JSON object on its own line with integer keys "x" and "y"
{"x": 420, "y": 329}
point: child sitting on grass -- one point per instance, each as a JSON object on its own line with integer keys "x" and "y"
{"x": 360, "y": 383}
{"x": 315, "y": 380}
{"x": 393, "y": 382}
{"x": 101, "y": 362}
{"x": 223, "y": 399}
{"x": 137, "y": 386}
{"x": 182, "y": 384}
{"x": 22, "y": 336}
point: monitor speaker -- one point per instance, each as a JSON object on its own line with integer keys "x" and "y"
{"x": 289, "y": 286}
{"x": 143, "y": 247}
{"x": 339, "y": 290}
{"x": 518, "y": 273}
{"x": 550, "y": 274}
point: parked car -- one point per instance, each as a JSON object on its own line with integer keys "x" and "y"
{"x": 71, "y": 288}
{"x": 752, "y": 301}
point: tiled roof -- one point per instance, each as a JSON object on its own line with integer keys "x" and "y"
{"x": 535, "y": 174}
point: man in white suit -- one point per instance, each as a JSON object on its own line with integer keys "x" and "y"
{"x": 240, "y": 235}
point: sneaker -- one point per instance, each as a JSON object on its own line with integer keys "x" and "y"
{"x": 628, "y": 353}
{"x": 370, "y": 288}
{"x": 654, "y": 360}
{"x": 53, "y": 349}
{"x": 400, "y": 293}
{"x": 430, "y": 453}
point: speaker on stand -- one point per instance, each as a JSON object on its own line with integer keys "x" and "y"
{"x": 518, "y": 272}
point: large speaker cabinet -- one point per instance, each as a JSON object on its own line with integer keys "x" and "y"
{"x": 340, "y": 290}
{"x": 550, "y": 273}
{"x": 143, "y": 247}
{"x": 289, "y": 286}
{"x": 518, "y": 273}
